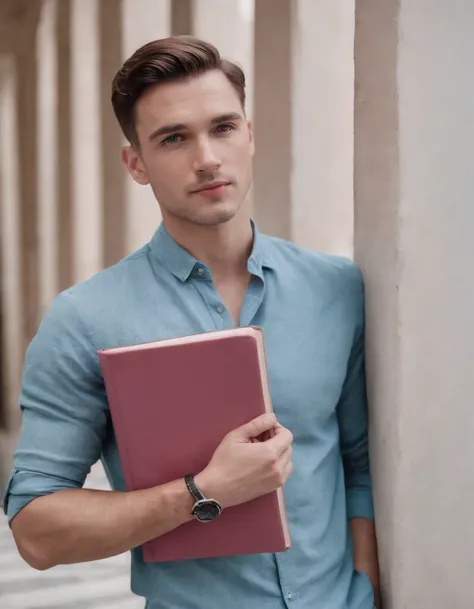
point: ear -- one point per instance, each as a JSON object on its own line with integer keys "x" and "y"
{"x": 251, "y": 140}
{"x": 134, "y": 164}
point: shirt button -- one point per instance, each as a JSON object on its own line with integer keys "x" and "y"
{"x": 220, "y": 309}
{"x": 289, "y": 596}
{"x": 200, "y": 271}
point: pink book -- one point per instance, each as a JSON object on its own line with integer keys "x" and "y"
{"x": 171, "y": 403}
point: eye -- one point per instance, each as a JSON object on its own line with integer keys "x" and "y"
{"x": 172, "y": 139}
{"x": 225, "y": 127}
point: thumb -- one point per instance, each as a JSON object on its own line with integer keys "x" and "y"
{"x": 257, "y": 426}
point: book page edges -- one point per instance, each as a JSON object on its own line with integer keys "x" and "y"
{"x": 190, "y": 338}
{"x": 269, "y": 409}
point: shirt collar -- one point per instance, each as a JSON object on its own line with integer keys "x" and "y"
{"x": 181, "y": 263}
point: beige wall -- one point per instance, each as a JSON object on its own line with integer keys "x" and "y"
{"x": 414, "y": 218}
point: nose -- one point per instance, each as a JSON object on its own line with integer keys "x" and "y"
{"x": 206, "y": 159}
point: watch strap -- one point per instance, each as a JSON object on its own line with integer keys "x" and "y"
{"x": 192, "y": 488}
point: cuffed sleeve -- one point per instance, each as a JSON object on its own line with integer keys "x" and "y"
{"x": 353, "y": 422}
{"x": 64, "y": 409}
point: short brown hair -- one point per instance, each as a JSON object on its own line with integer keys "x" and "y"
{"x": 166, "y": 60}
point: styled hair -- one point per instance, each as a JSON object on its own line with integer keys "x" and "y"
{"x": 166, "y": 60}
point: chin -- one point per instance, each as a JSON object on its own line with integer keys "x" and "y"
{"x": 214, "y": 215}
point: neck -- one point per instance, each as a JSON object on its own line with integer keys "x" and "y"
{"x": 224, "y": 248}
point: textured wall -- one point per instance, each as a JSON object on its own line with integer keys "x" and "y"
{"x": 414, "y": 187}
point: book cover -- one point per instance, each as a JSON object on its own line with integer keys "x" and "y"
{"x": 172, "y": 402}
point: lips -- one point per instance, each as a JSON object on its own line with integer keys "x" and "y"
{"x": 212, "y": 187}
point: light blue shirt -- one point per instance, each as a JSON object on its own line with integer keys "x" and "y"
{"x": 311, "y": 309}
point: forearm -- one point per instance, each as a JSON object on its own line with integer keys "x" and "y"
{"x": 365, "y": 552}
{"x": 82, "y": 525}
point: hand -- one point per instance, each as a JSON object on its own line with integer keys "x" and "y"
{"x": 243, "y": 468}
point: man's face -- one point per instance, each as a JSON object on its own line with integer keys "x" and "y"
{"x": 196, "y": 148}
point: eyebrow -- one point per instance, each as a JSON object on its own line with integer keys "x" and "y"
{"x": 169, "y": 129}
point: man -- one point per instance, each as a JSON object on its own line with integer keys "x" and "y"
{"x": 207, "y": 267}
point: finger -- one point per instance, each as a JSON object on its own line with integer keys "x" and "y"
{"x": 287, "y": 471}
{"x": 285, "y": 457}
{"x": 257, "y": 426}
{"x": 281, "y": 440}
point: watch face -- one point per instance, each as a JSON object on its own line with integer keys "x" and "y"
{"x": 207, "y": 510}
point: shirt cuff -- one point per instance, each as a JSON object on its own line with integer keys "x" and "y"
{"x": 360, "y": 503}
{"x": 24, "y": 486}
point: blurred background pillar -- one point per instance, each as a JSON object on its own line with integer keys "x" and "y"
{"x": 19, "y": 246}
{"x": 303, "y": 111}
{"x": 414, "y": 216}
{"x": 181, "y": 17}
{"x": 48, "y": 153}
{"x": 228, "y": 24}
{"x": 11, "y": 297}
{"x": 65, "y": 245}
{"x": 142, "y": 22}
{"x": 87, "y": 179}
{"x": 114, "y": 212}
{"x": 27, "y": 138}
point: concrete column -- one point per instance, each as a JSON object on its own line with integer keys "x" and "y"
{"x": 11, "y": 295}
{"x": 272, "y": 117}
{"x": 181, "y": 17}
{"x": 414, "y": 187}
{"x": 27, "y": 133}
{"x": 19, "y": 259}
{"x": 113, "y": 178}
{"x": 142, "y": 22}
{"x": 47, "y": 153}
{"x": 65, "y": 237}
{"x": 303, "y": 116}
{"x": 86, "y": 139}
{"x": 229, "y": 25}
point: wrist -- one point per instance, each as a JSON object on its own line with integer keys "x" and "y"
{"x": 178, "y": 501}
{"x": 371, "y": 571}
{"x": 209, "y": 486}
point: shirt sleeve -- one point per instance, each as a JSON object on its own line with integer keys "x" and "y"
{"x": 64, "y": 409}
{"x": 353, "y": 419}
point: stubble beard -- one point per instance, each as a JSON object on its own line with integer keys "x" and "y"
{"x": 209, "y": 214}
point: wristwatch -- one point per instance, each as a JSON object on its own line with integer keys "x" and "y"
{"x": 204, "y": 510}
